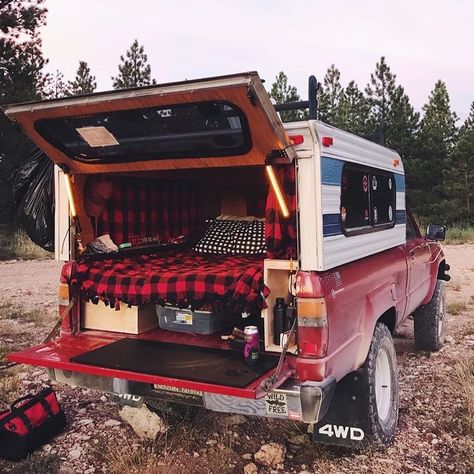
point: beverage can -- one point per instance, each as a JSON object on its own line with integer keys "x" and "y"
{"x": 251, "y": 348}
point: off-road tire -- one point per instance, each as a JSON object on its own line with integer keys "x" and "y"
{"x": 381, "y": 429}
{"x": 429, "y": 321}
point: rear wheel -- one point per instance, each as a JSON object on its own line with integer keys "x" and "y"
{"x": 381, "y": 374}
{"x": 429, "y": 321}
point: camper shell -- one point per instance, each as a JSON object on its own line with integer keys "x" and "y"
{"x": 179, "y": 157}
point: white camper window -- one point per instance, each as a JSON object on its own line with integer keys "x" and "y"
{"x": 368, "y": 198}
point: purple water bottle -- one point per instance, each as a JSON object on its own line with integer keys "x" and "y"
{"x": 251, "y": 348}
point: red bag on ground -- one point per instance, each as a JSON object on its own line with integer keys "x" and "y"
{"x": 29, "y": 423}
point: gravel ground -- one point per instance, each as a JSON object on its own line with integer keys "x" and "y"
{"x": 431, "y": 438}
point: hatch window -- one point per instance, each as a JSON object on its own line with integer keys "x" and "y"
{"x": 368, "y": 199}
{"x": 203, "y": 129}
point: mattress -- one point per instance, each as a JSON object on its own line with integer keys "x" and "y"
{"x": 184, "y": 278}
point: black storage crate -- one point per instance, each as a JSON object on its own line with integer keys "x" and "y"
{"x": 196, "y": 322}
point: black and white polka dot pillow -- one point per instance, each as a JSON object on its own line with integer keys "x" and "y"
{"x": 250, "y": 237}
{"x": 219, "y": 238}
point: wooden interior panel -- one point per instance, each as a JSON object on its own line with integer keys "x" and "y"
{"x": 87, "y": 230}
{"x": 233, "y": 205}
{"x": 276, "y": 274}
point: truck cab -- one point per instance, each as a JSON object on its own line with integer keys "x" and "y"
{"x": 193, "y": 214}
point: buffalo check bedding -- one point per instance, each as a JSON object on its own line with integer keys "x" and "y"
{"x": 176, "y": 276}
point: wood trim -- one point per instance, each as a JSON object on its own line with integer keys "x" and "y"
{"x": 266, "y": 130}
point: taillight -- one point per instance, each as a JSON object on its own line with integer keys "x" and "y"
{"x": 308, "y": 285}
{"x": 312, "y": 315}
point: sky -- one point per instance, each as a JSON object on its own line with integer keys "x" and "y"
{"x": 422, "y": 40}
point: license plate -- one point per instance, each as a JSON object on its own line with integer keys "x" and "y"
{"x": 185, "y": 391}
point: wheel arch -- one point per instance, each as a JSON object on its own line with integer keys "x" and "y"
{"x": 387, "y": 316}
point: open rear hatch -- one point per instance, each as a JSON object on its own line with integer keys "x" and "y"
{"x": 216, "y": 122}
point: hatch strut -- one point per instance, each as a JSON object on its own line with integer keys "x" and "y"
{"x": 275, "y": 380}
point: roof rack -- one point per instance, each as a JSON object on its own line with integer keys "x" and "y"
{"x": 311, "y": 103}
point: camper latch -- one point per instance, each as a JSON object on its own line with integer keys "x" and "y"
{"x": 275, "y": 155}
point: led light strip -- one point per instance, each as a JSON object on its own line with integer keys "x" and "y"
{"x": 277, "y": 191}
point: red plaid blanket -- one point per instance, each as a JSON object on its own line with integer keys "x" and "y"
{"x": 177, "y": 277}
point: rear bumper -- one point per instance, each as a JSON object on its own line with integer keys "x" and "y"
{"x": 299, "y": 401}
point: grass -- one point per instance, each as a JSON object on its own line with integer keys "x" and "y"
{"x": 454, "y": 284}
{"x": 38, "y": 464}
{"x": 465, "y": 380}
{"x": 10, "y": 387}
{"x": 188, "y": 430}
{"x": 459, "y": 234}
{"x": 139, "y": 458}
{"x": 13, "y": 312}
{"x": 456, "y": 307}
{"x": 16, "y": 245}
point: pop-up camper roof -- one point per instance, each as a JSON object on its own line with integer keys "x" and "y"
{"x": 216, "y": 122}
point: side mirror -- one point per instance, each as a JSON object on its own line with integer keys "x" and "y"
{"x": 436, "y": 232}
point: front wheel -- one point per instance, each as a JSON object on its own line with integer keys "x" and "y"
{"x": 380, "y": 369}
{"x": 429, "y": 321}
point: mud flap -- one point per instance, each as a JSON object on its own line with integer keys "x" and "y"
{"x": 346, "y": 422}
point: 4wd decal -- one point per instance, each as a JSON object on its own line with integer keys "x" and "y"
{"x": 344, "y": 432}
{"x": 276, "y": 404}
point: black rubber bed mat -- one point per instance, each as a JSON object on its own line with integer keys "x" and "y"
{"x": 200, "y": 364}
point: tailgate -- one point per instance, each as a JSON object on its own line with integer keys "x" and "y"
{"x": 216, "y": 122}
{"x": 58, "y": 354}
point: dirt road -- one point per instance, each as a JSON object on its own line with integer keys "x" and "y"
{"x": 431, "y": 438}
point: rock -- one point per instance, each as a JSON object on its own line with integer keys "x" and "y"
{"x": 210, "y": 442}
{"x": 103, "y": 398}
{"x": 298, "y": 440}
{"x": 75, "y": 453}
{"x": 144, "y": 422}
{"x": 112, "y": 423}
{"x": 66, "y": 468}
{"x": 85, "y": 421}
{"x": 232, "y": 420}
{"x": 196, "y": 454}
{"x": 250, "y": 468}
{"x": 271, "y": 454}
{"x": 247, "y": 456}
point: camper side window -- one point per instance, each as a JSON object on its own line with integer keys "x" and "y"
{"x": 368, "y": 199}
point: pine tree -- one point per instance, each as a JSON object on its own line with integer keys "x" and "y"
{"x": 459, "y": 174}
{"x": 353, "y": 110}
{"x": 134, "y": 70}
{"x": 379, "y": 92}
{"x": 330, "y": 97}
{"x": 21, "y": 79}
{"x": 57, "y": 87}
{"x": 401, "y": 133}
{"x": 283, "y": 93}
{"x": 436, "y": 140}
{"x": 84, "y": 82}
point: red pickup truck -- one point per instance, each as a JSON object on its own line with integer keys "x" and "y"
{"x": 204, "y": 218}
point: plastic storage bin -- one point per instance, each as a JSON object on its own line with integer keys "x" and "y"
{"x": 197, "y": 322}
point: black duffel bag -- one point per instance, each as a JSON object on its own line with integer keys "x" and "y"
{"x": 29, "y": 423}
